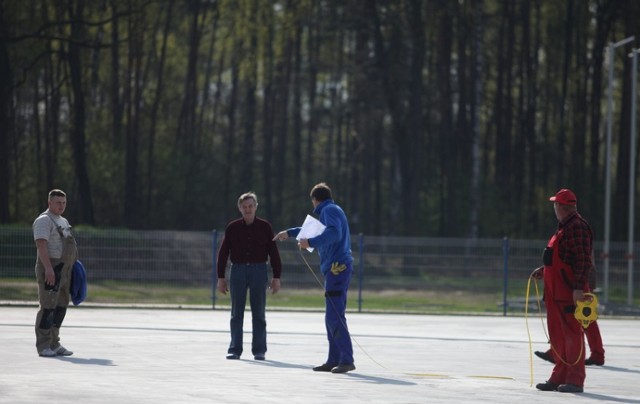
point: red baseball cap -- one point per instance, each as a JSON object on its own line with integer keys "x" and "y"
{"x": 564, "y": 197}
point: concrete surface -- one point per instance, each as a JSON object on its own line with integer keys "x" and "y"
{"x": 178, "y": 356}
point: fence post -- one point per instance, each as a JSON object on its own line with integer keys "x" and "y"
{"x": 360, "y": 270}
{"x": 505, "y": 256}
{"x": 214, "y": 269}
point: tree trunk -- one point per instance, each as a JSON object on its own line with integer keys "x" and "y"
{"x": 250, "y": 103}
{"x": 313, "y": 50}
{"x": 151, "y": 145}
{"x": 78, "y": 139}
{"x": 117, "y": 108}
{"x": 134, "y": 85}
{"x": 406, "y": 122}
{"x": 414, "y": 135}
{"x": 271, "y": 198}
{"x": 229, "y": 144}
{"x": 605, "y": 15}
{"x": 6, "y": 119}
{"x": 448, "y": 141}
{"x": 476, "y": 108}
{"x": 559, "y": 166}
{"x": 188, "y": 133}
{"x": 503, "y": 108}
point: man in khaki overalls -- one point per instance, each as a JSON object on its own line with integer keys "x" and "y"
{"x": 57, "y": 253}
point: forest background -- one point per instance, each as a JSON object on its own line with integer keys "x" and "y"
{"x": 434, "y": 118}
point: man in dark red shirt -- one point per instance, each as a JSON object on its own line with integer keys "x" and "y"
{"x": 248, "y": 242}
{"x": 567, "y": 264}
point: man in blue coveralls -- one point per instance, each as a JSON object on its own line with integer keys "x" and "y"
{"x": 336, "y": 264}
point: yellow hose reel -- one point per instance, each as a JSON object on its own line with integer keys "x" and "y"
{"x": 587, "y": 310}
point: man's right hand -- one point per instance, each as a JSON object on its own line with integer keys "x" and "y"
{"x": 49, "y": 276}
{"x": 281, "y": 236}
{"x": 537, "y": 273}
{"x": 222, "y": 286}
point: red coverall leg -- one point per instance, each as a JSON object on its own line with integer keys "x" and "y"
{"x": 567, "y": 339}
{"x": 594, "y": 339}
{"x": 595, "y": 342}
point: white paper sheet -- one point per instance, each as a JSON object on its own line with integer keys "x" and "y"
{"x": 310, "y": 228}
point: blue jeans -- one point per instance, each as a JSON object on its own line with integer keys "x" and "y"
{"x": 253, "y": 277}
{"x": 336, "y": 287}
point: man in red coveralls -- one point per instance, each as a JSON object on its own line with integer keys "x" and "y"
{"x": 567, "y": 263}
{"x": 594, "y": 339}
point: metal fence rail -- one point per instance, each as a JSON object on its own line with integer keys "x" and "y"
{"x": 404, "y": 263}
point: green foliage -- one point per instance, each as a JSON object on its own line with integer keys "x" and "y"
{"x": 377, "y": 98}
{"x": 402, "y": 301}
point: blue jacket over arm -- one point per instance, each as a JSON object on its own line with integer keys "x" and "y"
{"x": 334, "y": 244}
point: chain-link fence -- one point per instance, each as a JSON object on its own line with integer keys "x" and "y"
{"x": 498, "y": 266}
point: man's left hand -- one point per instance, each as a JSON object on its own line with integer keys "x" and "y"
{"x": 578, "y": 295}
{"x": 275, "y": 285}
{"x": 303, "y": 243}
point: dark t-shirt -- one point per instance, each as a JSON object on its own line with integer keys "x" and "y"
{"x": 249, "y": 244}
